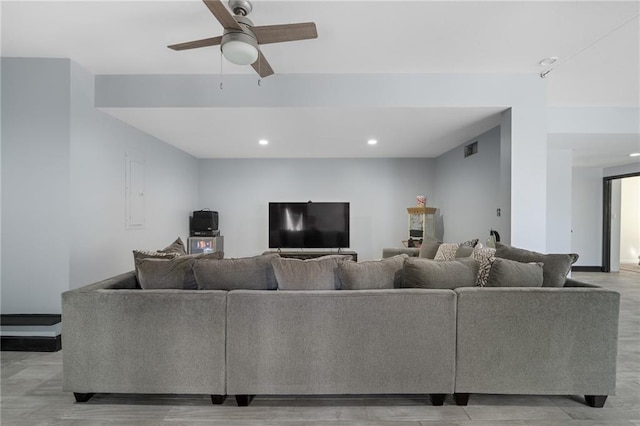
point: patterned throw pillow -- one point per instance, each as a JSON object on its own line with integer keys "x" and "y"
{"x": 470, "y": 243}
{"x": 446, "y": 251}
{"x": 485, "y": 257}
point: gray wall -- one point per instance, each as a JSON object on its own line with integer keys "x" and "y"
{"x": 379, "y": 191}
{"x": 35, "y": 185}
{"x": 100, "y": 243}
{"x": 468, "y": 190}
{"x": 63, "y": 186}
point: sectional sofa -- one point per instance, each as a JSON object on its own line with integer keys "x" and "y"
{"x": 120, "y": 337}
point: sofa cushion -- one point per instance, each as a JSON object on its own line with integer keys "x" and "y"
{"x": 154, "y": 273}
{"x": 556, "y": 266}
{"x": 429, "y": 248}
{"x": 426, "y": 273}
{"x": 375, "y": 274}
{"x": 509, "y": 273}
{"x": 311, "y": 274}
{"x": 249, "y": 273}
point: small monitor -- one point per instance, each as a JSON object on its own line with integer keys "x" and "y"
{"x": 199, "y": 245}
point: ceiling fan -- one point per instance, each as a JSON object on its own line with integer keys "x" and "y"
{"x": 240, "y": 39}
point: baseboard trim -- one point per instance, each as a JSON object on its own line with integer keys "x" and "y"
{"x": 31, "y": 344}
{"x": 586, "y": 268}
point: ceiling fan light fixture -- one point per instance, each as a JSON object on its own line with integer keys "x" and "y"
{"x": 239, "y": 48}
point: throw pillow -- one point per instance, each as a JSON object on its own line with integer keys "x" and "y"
{"x": 556, "y": 266}
{"x": 425, "y": 273}
{"x": 249, "y": 273}
{"x": 429, "y": 248}
{"x": 170, "y": 272}
{"x": 509, "y": 273}
{"x": 471, "y": 243}
{"x": 446, "y": 251}
{"x": 311, "y": 274}
{"x": 485, "y": 257}
{"x": 375, "y": 274}
{"x": 464, "y": 251}
{"x": 153, "y": 254}
{"x": 175, "y": 247}
{"x": 153, "y": 273}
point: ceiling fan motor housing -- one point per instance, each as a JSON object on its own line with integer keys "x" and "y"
{"x": 240, "y": 7}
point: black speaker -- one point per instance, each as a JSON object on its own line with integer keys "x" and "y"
{"x": 204, "y": 223}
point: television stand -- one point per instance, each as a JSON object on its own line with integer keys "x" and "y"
{"x": 311, "y": 254}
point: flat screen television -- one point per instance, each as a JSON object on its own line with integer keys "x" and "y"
{"x": 308, "y": 225}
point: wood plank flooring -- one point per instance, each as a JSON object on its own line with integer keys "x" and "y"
{"x": 31, "y": 394}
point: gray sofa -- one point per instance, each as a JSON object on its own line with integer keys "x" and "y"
{"x": 119, "y": 338}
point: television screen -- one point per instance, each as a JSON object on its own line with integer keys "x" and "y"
{"x": 308, "y": 225}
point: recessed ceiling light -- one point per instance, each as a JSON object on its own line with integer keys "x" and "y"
{"x": 372, "y": 141}
{"x": 634, "y": 154}
{"x": 263, "y": 142}
{"x": 549, "y": 61}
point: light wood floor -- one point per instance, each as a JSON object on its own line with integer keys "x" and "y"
{"x": 32, "y": 395}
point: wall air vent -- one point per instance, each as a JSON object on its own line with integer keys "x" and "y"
{"x": 471, "y": 149}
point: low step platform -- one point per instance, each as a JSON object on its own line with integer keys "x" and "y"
{"x": 31, "y": 332}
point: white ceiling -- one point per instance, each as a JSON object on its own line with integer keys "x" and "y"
{"x": 130, "y": 37}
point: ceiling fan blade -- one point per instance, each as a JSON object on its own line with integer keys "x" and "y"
{"x": 262, "y": 67}
{"x": 222, "y": 14}
{"x": 286, "y": 32}
{"x": 213, "y": 41}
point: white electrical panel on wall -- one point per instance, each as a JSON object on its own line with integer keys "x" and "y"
{"x": 135, "y": 214}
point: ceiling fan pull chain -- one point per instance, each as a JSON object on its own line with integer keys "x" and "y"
{"x": 221, "y": 88}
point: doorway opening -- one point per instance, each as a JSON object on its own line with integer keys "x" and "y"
{"x": 621, "y": 226}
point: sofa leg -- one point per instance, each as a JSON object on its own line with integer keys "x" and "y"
{"x": 244, "y": 400}
{"x": 82, "y": 397}
{"x": 461, "y": 398}
{"x": 218, "y": 399}
{"x": 437, "y": 398}
{"x": 596, "y": 401}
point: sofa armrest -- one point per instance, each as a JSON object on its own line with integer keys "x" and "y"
{"x": 394, "y": 251}
{"x": 537, "y": 340}
{"x": 143, "y": 341}
{"x": 571, "y": 283}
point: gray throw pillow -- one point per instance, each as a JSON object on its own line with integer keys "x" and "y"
{"x": 429, "y": 248}
{"x": 175, "y": 247}
{"x": 249, "y": 273}
{"x": 509, "y": 273}
{"x": 556, "y": 266}
{"x": 153, "y": 254}
{"x": 375, "y": 274}
{"x": 464, "y": 251}
{"x": 426, "y": 273}
{"x": 311, "y": 274}
{"x": 169, "y": 273}
{"x": 166, "y": 274}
